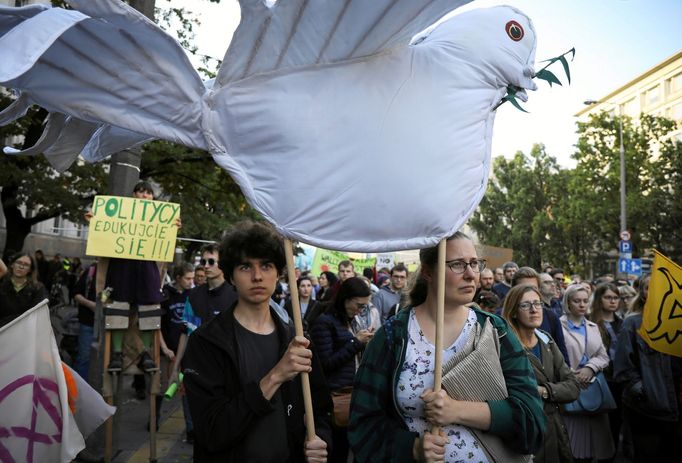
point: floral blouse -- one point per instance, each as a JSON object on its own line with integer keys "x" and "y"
{"x": 416, "y": 375}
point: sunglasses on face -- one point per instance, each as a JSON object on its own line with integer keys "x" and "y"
{"x": 208, "y": 262}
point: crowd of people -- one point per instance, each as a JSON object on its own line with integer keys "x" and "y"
{"x": 535, "y": 342}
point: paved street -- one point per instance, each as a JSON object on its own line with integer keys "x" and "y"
{"x": 131, "y": 438}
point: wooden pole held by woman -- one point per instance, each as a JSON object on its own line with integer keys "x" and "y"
{"x": 298, "y": 325}
{"x": 440, "y": 315}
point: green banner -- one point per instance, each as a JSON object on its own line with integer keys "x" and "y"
{"x": 360, "y": 264}
{"x": 326, "y": 260}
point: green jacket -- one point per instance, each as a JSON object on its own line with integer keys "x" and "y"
{"x": 377, "y": 432}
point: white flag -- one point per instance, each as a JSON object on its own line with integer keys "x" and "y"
{"x": 36, "y": 424}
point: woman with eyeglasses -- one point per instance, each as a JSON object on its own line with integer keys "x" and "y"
{"x": 556, "y": 381}
{"x": 604, "y": 312}
{"x": 394, "y": 407}
{"x": 337, "y": 348}
{"x": 589, "y": 434}
{"x": 627, "y": 296}
{"x": 19, "y": 288}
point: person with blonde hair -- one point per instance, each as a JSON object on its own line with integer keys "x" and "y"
{"x": 587, "y": 357}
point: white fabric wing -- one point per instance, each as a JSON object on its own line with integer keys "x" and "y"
{"x": 106, "y": 63}
{"x": 298, "y": 33}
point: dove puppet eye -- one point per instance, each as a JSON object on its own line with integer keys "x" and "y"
{"x": 514, "y": 30}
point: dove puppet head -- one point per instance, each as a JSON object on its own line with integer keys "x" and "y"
{"x": 502, "y": 39}
{"x": 313, "y": 102}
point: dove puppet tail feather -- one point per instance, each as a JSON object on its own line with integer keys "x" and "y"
{"x": 104, "y": 66}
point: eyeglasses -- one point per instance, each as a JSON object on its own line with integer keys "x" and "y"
{"x": 525, "y": 306}
{"x": 627, "y": 298}
{"x": 611, "y": 298}
{"x": 460, "y": 266}
{"x": 210, "y": 262}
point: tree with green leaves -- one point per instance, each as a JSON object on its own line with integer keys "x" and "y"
{"x": 31, "y": 182}
{"x": 517, "y": 210}
{"x": 570, "y": 217}
{"x": 653, "y": 189}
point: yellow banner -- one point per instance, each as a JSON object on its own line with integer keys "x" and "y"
{"x": 132, "y": 228}
{"x": 662, "y": 319}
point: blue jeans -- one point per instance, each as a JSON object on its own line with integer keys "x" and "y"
{"x": 85, "y": 334}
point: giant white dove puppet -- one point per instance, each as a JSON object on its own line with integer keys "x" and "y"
{"x": 315, "y": 102}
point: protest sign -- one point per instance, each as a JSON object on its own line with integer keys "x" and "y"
{"x": 132, "y": 228}
{"x": 326, "y": 260}
{"x": 360, "y": 264}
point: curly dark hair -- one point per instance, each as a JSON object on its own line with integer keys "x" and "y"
{"x": 254, "y": 240}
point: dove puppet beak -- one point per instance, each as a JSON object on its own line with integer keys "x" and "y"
{"x": 528, "y": 82}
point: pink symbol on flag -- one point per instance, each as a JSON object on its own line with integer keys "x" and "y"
{"x": 41, "y": 387}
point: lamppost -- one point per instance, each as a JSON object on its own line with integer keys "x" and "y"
{"x": 623, "y": 207}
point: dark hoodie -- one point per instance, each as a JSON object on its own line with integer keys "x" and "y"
{"x": 224, "y": 411}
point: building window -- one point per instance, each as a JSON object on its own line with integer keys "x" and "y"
{"x": 56, "y": 226}
{"x": 676, "y": 83}
{"x": 652, "y": 96}
{"x": 676, "y": 112}
{"x": 631, "y": 108}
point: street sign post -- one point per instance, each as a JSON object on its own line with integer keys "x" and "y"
{"x": 625, "y": 247}
{"x": 630, "y": 266}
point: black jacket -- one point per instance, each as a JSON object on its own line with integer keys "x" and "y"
{"x": 223, "y": 411}
{"x": 337, "y": 348}
{"x": 650, "y": 378}
{"x": 13, "y": 304}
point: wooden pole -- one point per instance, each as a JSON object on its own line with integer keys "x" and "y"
{"x": 109, "y": 427}
{"x": 298, "y": 325}
{"x": 440, "y": 311}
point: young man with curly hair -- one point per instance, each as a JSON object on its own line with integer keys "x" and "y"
{"x": 242, "y": 368}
